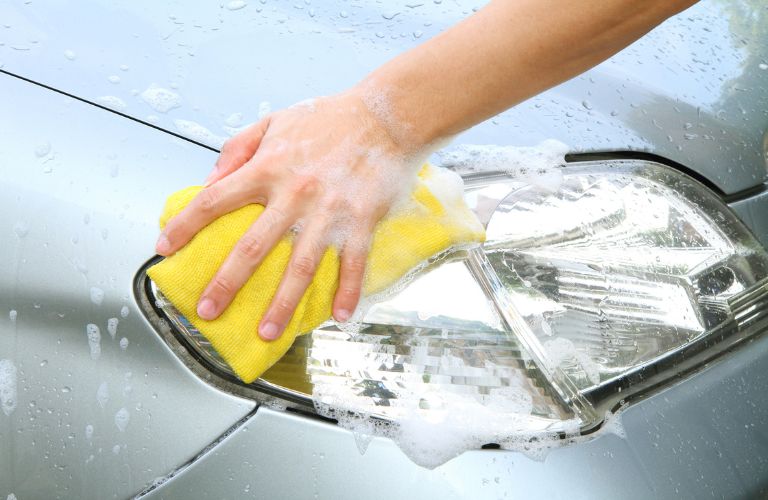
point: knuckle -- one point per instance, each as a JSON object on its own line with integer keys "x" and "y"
{"x": 208, "y": 200}
{"x": 223, "y": 285}
{"x": 249, "y": 247}
{"x": 272, "y": 217}
{"x": 349, "y": 293}
{"x": 306, "y": 185}
{"x": 303, "y": 267}
{"x": 355, "y": 265}
{"x": 284, "y": 306}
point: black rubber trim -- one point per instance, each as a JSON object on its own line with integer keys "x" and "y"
{"x": 106, "y": 108}
{"x": 642, "y": 155}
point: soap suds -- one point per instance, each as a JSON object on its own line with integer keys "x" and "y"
{"x": 538, "y": 165}
{"x": 197, "y": 132}
{"x": 12, "y": 315}
{"x": 112, "y": 102}
{"x": 160, "y": 99}
{"x": 124, "y": 312}
{"x": 8, "y": 390}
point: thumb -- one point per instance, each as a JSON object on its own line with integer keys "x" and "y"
{"x": 238, "y": 150}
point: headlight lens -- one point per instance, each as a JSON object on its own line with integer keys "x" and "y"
{"x": 617, "y": 280}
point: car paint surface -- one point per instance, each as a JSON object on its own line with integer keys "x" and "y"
{"x": 83, "y": 214}
{"x": 89, "y": 424}
{"x": 692, "y": 91}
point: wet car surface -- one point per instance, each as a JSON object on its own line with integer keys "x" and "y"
{"x": 118, "y": 411}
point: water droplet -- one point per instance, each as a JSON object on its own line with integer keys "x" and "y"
{"x": 97, "y": 295}
{"x": 94, "y": 340}
{"x": 122, "y": 418}
{"x": 42, "y": 149}
{"x": 236, "y": 5}
{"x": 102, "y": 394}
{"x": 113, "y": 79}
{"x": 69, "y": 54}
{"x": 112, "y": 327}
{"x": 21, "y": 229}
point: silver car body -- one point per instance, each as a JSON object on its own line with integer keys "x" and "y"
{"x": 87, "y": 158}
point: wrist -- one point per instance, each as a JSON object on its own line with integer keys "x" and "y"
{"x": 396, "y": 117}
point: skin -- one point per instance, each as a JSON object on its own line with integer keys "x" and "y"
{"x": 335, "y": 167}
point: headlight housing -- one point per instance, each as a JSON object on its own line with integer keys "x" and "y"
{"x": 585, "y": 295}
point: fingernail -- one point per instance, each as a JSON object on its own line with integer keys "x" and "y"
{"x": 206, "y": 309}
{"x": 269, "y": 331}
{"x": 163, "y": 246}
{"x": 342, "y": 315}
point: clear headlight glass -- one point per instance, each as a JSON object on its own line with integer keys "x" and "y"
{"x": 585, "y": 294}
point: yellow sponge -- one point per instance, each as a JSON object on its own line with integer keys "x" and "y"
{"x": 434, "y": 220}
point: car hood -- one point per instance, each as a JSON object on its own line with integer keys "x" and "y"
{"x": 93, "y": 402}
{"x": 692, "y": 91}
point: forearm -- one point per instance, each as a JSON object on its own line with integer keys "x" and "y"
{"x": 507, "y": 52}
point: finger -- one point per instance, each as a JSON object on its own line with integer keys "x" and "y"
{"x": 353, "y": 260}
{"x": 242, "y": 262}
{"x": 237, "y": 151}
{"x": 306, "y": 255}
{"x": 211, "y": 203}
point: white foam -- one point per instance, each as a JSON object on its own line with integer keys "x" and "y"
{"x": 8, "y": 389}
{"x": 265, "y": 108}
{"x": 124, "y": 343}
{"x": 234, "y": 120}
{"x": 89, "y": 432}
{"x": 70, "y": 54}
{"x": 161, "y": 99}
{"x": 94, "y": 340}
{"x": 122, "y": 418}
{"x": 112, "y": 327}
{"x": 112, "y": 102}
{"x": 197, "y": 132}
{"x": 124, "y": 312}
{"x": 97, "y": 295}
{"x": 113, "y": 79}
{"x": 11, "y": 496}
{"x": 539, "y": 165}
{"x": 12, "y": 315}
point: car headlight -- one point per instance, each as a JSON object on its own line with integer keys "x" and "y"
{"x": 585, "y": 295}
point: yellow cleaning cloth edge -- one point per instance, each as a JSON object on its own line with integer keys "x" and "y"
{"x": 435, "y": 219}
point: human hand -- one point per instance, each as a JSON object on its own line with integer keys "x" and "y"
{"x": 328, "y": 170}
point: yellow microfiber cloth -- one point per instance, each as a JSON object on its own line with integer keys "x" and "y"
{"x": 435, "y": 219}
